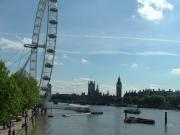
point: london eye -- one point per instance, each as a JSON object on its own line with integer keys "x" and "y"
{"x": 48, "y": 46}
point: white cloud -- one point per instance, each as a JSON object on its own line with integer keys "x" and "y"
{"x": 105, "y": 87}
{"x": 156, "y": 53}
{"x": 150, "y": 13}
{"x": 10, "y": 44}
{"x": 122, "y": 37}
{"x": 117, "y": 52}
{"x": 101, "y": 52}
{"x": 26, "y": 40}
{"x": 175, "y": 71}
{"x": 83, "y": 61}
{"x": 6, "y": 44}
{"x": 111, "y": 52}
{"x": 78, "y": 85}
{"x": 134, "y": 65}
{"x": 154, "y": 86}
{"x": 64, "y": 56}
{"x": 153, "y": 10}
{"x": 124, "y": 65}
{"x": 58, "y": 64}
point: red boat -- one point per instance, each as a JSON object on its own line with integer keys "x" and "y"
{"x": 139, "y": 120}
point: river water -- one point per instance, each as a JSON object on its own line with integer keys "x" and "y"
{"x": 110, "y": 123}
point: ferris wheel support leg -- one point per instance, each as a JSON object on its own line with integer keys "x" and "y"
{"x": 46, "y": 100}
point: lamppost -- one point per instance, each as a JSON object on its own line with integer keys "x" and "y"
{"x": 10, "y": 124}
{"x": 26, "y": 127}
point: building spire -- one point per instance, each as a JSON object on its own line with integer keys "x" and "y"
{"x": 118, "y": 87}
{"x": 119, "y": 80}
{"x": 97, "y": 88}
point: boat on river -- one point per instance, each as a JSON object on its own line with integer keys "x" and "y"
{"x": 78, "y": 108}
{"x": 66, "y": 115}
{"x": 97, "y": 113}
{"x": 139, "y": 120}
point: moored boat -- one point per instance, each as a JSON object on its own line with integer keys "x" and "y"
{"x": 97, "y": 113}
{"x": 139, "y": 120}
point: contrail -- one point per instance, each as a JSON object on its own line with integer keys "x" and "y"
{"x": 100, "y": 37}
{"x": 122, "y": 37}
{"x": 116, "y": 52}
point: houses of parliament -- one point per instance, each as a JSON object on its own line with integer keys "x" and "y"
{"x": 93, "y": 90}
{"x": 93, "y": 97}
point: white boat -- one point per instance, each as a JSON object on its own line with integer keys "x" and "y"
{"x": 76, "y": 114}
{"x": 66, "y": 115}
{"x": 78, "y": 108}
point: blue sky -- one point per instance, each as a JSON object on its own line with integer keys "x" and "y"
{"x": 101, "y": 39}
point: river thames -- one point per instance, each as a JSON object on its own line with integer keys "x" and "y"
{"x": 110, "y": 123}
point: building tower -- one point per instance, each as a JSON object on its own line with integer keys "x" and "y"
{"x": 118, "y": 88}
{"x": 97, "y": 89}
{"x": 91, "y": 88}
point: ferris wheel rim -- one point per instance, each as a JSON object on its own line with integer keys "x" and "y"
{"x": 50, "y": 39}
{"x": 49, "y": 45}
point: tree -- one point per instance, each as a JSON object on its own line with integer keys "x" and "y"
{"x": 17, "y": 93}
{"x": 29, "y": 89}
{"x": 10, "y": 95}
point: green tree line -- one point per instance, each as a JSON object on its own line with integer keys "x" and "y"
{"x": 153, "y": 101}
{"x": 18, "y": 92}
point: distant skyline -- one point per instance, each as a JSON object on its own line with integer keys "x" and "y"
{"x": 100, "y": 40}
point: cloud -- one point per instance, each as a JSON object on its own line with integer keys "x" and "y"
{"x": 175, "y": 71}
{"x": 58, "y": 64}
{"x": 117, "y": 52}
{"x": 154, "y": 86}
{"x": 78, "y": 85}
{"x": 26, "y": 40}
{"x": 115, "y": 37}
{"x": 83, "y": 61}
{"x": 64, "y": 56}
{"x": 6, "y": 44}
{"x": 122, "y": 37}
{"x": 102, "y": 52}
{"x": 153, "y": 10}
{"x": 105, "y": 87}
{"x": 156, "y": 53}
{"x": 10, "y": 44}
{"x": 124, "y": 65}
{"x": 134, "y": 65}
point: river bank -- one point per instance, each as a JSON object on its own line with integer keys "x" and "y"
{"x": 18, "y": 128}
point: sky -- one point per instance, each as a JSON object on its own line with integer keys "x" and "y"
{"x": 138, "y": 40}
